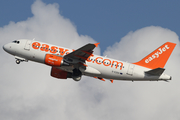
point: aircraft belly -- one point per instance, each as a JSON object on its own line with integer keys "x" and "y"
{"x": 137, "y": 73}
{"x": 108, "y": 72}
{"x": 90, "y": 70}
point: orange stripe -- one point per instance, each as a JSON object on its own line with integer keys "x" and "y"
{"x": 89, "y": 53}
{"x": 81, "y": 57}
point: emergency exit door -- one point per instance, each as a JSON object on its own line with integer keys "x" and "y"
{"x": 130, "y": 69}
{"x": 27, "y": 45}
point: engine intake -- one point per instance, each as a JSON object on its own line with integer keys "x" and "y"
{"x": 76, "y": 75}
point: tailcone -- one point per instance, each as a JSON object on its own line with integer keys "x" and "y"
{"x": 165, "y": 77}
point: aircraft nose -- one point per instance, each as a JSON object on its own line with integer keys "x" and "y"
{"x": 5, "y": 47}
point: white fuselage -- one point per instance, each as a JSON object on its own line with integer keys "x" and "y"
{"x": 97, "y": 66}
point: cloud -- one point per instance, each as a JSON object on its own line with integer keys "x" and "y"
{"x": 28, "y": 91}
{"x": 149, "y": 100}
{"x": 46, "y": 25}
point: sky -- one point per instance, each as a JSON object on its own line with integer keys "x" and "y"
{"x": 105, "y": 21}
{"x": 126, "y": 31}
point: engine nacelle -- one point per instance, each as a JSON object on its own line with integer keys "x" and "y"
{"x": 58, "y": 73}
{"x": 76, "y": 75}
{"x": 53, "y": 60}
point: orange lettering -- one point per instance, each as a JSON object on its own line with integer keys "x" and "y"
{"x": 88, "y": 59}
{"x": 62, "y": 51}
{"x": 36, "y": 45}
{"x": 117, "y": 63}
{"x": 97, "y": 59}
{"x": 108, "y": 63}
{"x": 53, "y": 49}
{"x": 45, "y": 48}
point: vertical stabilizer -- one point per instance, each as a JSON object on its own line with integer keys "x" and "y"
{"x": 158, "y": 58}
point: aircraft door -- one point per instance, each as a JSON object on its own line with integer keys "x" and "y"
{"x": 27, "y": 45}
{"x": 130, "y": 69}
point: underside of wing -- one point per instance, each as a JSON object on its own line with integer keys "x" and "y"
{"x": 81, "y": 54}
{"x": 73, "y": 65}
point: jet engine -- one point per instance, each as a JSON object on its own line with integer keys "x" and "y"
{"x": 58, "y": 73}
{"x": 57, "y": 61}
{"x": 53, "y": 60}
{"x": 76, "y": 75}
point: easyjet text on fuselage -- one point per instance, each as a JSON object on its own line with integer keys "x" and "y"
{"x": 62, "y": 51}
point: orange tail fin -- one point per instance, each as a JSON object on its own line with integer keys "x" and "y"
{"x": 158, "y": 58}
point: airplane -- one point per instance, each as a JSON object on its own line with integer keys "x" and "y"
{"x": 68, "y": 63}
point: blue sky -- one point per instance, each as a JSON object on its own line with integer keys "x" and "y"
{"x": 105, "y": 21}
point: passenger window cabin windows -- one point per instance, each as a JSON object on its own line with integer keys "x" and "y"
{"x": 36, "y": 46}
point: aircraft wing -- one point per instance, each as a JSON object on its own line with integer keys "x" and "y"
{"x": 81, "y": 54}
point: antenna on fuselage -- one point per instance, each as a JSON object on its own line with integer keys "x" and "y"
{"x": 33, "y": 39}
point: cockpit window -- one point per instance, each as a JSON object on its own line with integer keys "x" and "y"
{"x": 15, "y": 41}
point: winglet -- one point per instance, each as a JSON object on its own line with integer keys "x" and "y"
{"x": 158, "y": 58}
{"x": 96, "y": 44}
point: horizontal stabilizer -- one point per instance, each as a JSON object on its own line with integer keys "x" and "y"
{"x": 157, "y": 71}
